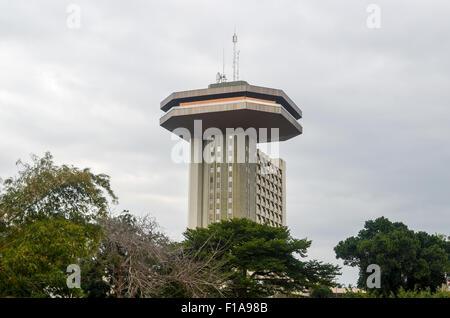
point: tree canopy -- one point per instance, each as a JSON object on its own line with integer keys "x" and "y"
{"x": 36, "y": 256}
{"x": 47, "y": 222}
{"x": 259, "y": 260}
{"x": 408, "y": 260}
{"x": 42, "y": 189}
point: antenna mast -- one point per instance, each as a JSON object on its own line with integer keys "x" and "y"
{"x": 237, "y": 62}
{"x": 235, "y": 58}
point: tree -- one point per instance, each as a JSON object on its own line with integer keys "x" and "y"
{"x": 321, "y": 292}
{"x": 43, "y": 189}
{"x": 136, "y": 260}
{"x": 259, "y": 260}
{"x": 35, "y": 259}
{"x": 407, "y": 259}
{"x": 47, "y": 222}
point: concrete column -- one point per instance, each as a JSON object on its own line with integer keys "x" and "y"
{"x": 195, "y": 200}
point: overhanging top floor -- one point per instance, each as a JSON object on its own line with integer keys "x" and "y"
{"x": 232, "y": 89}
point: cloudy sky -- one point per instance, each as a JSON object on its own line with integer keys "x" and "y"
{"x": 376, "y": 101}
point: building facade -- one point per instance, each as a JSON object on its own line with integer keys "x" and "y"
{"x": 226, "y": 189}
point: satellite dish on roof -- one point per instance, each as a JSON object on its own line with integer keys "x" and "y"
{"x": 221, "y": 78}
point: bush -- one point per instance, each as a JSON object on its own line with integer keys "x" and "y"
{"x": 321, "y": 292}
{"x": 420, "y": 294}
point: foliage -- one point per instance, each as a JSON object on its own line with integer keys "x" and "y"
{"x": 36, "y": 256}
{"x": 43, "y": 189}
{"x": 47, "y": 222}
{"x": 407, "y": 259}
{"x": 401, "y": 293}
{"x": 321, "y": 292}
{"x": 359, "y": 294}
{"x": 259, "y": 260}
{"x": 136, "y": 260}
{"x": 426, "y": 293}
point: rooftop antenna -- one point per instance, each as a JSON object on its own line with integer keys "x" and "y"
{"x": 221, "y": 77}
{"x": 237, "y": 63}
{"x": 235, "y": 58}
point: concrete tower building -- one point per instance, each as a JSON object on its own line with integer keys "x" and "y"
{"x": 229, "y": 177}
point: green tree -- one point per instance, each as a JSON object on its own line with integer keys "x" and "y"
{"x": 321, "y": 292}
{"x": 259, "y": 260}
{"x": 47, "y": 221}
{"x": 407, "y": 259}
{"x": 36, "y": 256}
{"x": 43, "y": 189}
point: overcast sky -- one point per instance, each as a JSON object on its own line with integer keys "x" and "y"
{"x": 375, "y": 102}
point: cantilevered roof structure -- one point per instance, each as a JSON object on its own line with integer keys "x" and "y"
{"x": 233, "y": 105}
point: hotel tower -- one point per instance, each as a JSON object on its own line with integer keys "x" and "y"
{"x": 229, "y": 176}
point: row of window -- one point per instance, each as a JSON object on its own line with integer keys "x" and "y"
{"x": 214, "y": 197}
{"x": 269, "y": 214}
{"x": 218, "y": 169}
{"x": 262, "y": 220}
{"x": 264, "y": 202}
{"x": 274, "y": 195}
{"x": 230, "y": 191}
{"x": 268, "y": 179}
{"x": 215, "y": 151}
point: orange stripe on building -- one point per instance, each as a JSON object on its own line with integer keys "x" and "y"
{"x": 228, "y": 99}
